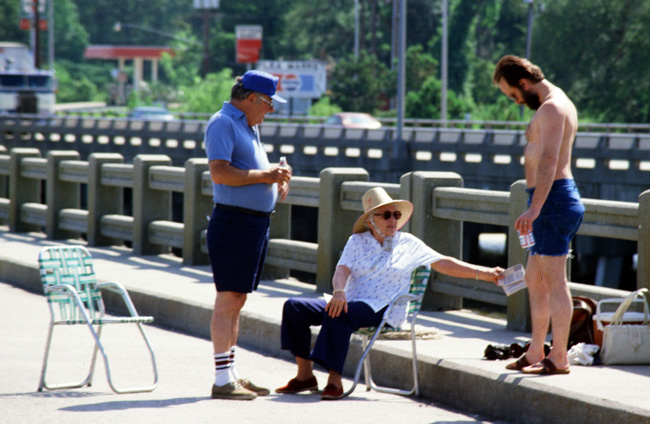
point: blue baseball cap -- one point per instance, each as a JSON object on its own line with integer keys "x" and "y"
{"x": 262, "y": 82}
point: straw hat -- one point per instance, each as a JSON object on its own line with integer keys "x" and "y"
{"x": 376, "y": 198}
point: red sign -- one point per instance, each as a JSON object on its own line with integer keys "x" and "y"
{"x": 248, "y": 51}
{"x": 26, "y": 24}
{"x": 249, "y": 43}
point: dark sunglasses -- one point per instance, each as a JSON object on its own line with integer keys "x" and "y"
{"x": 387, "y": 214}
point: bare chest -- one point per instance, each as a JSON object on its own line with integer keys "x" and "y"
{"x": 533, "y": 147}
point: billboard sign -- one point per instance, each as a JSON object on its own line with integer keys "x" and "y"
{"x": 306, "y": 79}
{"x": 249, "y": 43}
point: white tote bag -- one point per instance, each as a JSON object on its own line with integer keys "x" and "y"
{"x": 627, "y": 343}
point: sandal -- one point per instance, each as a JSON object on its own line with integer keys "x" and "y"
{"x": 519, "y": 364}
{"x": 547, "y": 368}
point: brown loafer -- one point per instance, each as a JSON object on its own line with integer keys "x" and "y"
{"x": 247, "y": 384}
{"x": 295, "y": 386}
{"x": 331, "y": 392}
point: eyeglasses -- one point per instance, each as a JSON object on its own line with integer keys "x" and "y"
{"x": 387, "y": 214}
{"x": 269, "y": 103}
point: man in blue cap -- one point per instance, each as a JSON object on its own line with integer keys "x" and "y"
{"x": 245, "y": 190}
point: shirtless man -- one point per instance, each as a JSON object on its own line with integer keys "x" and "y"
{"x": 554, "y": 209}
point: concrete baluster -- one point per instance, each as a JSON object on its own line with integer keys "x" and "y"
{"x": 334, "y": 223}
{"x": 60, "y": 194}
{"x": 643, "y": 250}
{"x": 280, "y": 229}
{"x": 102, "y": 199}
{"x": 4, "y": 180}
{"x": 148, "y": 204}
{"x": 196, "y": 207}
{"x": 443, "y": 235}
{"x": 21, "y": 189}
{"x": 518, "y": 305}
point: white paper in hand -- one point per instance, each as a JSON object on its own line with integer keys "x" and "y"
{"x": 513, "y": 279}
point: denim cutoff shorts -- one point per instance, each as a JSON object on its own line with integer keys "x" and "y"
{"x": 558, "y": 220}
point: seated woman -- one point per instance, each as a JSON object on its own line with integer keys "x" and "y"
{"x": 375, "y": 266}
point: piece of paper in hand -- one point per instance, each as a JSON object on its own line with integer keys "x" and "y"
{"x": 513, "y": 279}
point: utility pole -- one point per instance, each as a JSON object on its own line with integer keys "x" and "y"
{"x": 531, "y": 4}
{"x": 206, "y": 41}
{"x": 393, "y": 44}
{"x": 206, "y": 6}
{"x": 443, "y": 64}
{"x": 50, "y": 33}
{"x": 37, "y": 37}
{"x": 356, "y": 29}
{"x": 399, "y": 147}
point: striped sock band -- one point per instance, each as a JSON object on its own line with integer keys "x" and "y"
{"x": 222, "y": 368}
{"x": 233, "y": 371}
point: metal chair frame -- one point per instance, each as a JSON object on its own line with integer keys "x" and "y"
{"x": 74, "y": 298}
{"x": 419, "y": 279}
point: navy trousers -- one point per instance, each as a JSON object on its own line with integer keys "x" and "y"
{"x": 333, "y": 340}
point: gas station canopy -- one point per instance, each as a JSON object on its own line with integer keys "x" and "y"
{"x": 136, "y": 53}
{"x": 126, "y": 52}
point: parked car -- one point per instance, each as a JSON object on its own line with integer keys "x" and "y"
{"x": 151, "y": 113}
{"x": 354, "y": 120}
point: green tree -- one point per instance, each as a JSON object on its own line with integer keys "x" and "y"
{"x": 317, "y": 29}
{"x": 71, "y": 37}
{"x": 323, "y": 107}
{"x": 207, "y": 96}
{"x": 166, "y": 16}
{"x": 419, "y": 67}
{"x": 182, "y": 68}
{"x": 598, "y": 51}
{"x": 75, "y": 85}
{"x": 425, "y": 103}
{"x": 10, "y": 28}
{"x": 361, "y": 84}
{"x": 510, "y": 28}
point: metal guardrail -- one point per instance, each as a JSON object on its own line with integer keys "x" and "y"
{"x": 100, "y": 110}
{"x": 606, "y": 165}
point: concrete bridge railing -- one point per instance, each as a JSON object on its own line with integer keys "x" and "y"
{"x": 45, "y": 194}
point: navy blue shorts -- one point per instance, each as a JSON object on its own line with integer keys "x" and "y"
{"x": 558, "y": 220}
{"x": 237, "y": 245}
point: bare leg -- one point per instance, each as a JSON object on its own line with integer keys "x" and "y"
{"x": 539, "y": 309}
{"x": 224, "y": 327}
{"x": 556, "y": 304}
{"x": 561, "y": 308}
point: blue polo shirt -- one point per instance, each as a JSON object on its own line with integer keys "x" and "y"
{"x": 228, "y": 137}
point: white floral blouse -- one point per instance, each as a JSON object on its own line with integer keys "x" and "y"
{"x": 379, "y": 274}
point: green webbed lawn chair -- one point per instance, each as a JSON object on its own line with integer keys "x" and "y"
{"x": 419, "y": 280}
{"x": 74, "y": 297}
